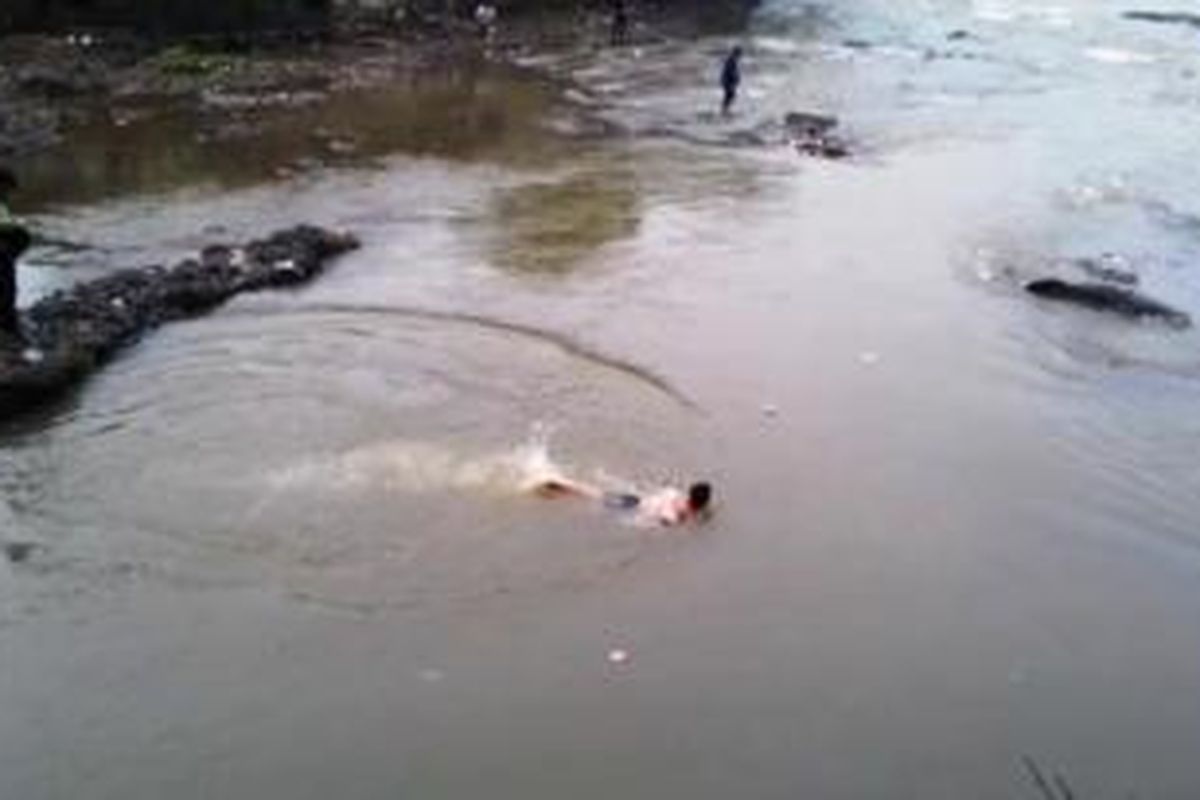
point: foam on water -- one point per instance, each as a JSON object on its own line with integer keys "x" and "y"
{"x": 1113, "y": 55}
{"x": 425, "y": 467}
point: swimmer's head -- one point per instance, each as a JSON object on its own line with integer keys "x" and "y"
{"x": 699, "y": 496}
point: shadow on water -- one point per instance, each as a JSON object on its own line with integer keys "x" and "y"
{"x": 549, "y": 228}
{"x": 473, "y": 112}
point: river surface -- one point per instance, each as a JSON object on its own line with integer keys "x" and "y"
{"x": 284, "y": 548}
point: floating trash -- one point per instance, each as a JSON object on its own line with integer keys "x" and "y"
{"x": 618, "y": 656}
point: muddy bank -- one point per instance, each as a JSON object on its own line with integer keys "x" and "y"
{"x": 71, "y": 333}
{"x": 50, "y": 83}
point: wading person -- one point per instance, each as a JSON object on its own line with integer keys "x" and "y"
{"x": 14, "y": 240}
{"x": 731, "y": 78}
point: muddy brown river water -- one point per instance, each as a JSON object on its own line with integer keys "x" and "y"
{"x": 284, "y": 554}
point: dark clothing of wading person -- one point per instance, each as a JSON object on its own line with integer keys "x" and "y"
{"x": 731, "y": 77}
{"x": 14, "y": 240}
{"x": 620, "y": 22}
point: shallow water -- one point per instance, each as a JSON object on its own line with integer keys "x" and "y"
{"x": 286, "y": 554}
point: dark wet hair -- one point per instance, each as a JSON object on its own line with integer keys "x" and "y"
{"x": 8, "y": 180}
{"x": 699, "y": 496}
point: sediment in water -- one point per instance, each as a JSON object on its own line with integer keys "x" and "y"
{"x": 74, "y": 331}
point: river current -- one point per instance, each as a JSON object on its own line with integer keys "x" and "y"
{"x": 284, "y": 551}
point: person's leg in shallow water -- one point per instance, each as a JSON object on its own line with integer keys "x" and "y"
{"x": 620, "y": 501}
{"x": 731, "y": 78}
{"x": 13, "y": 242}
{"x": 620, "y": 23}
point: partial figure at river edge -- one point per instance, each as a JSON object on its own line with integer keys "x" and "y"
{"x": 668, "y": 506}
{"x": 14, "y": 240}
{"x": 485, "y": 21}
{"x": 620, "y": 23}
{"x": 731, "y": 78}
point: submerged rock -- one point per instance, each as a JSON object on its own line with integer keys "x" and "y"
{"x": 1166, "y": 17}
{"x": 1104, "y": 297}
{"x": 812, "y": 135}
{"x": 19, "y": 552}
{"x": 803, "y": 123}
{"x": 75, "y": 330}
{"x": 1107, "y": 269}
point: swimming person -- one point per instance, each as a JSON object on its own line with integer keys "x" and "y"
{"x": 731, "y": 78}
{"x": 667, "y": 506}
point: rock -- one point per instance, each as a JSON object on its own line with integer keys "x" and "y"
{"x": 803, "y": 123}
{"x": 75, "y": 330}
{"x": 1105, "y": 269}
{"x": 1104, "y": 297}
{"x": 1166, "y": 17}
{"x": 19, "y": 552}
{"x": 823, "y": 148}
{"x": 812, "y": 135}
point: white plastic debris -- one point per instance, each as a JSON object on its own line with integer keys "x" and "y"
{"x": 618, "y": 656}
{"x": 770, "y": 410}
{"x": 868, "y": 357}
{"x": 33, "y": 355}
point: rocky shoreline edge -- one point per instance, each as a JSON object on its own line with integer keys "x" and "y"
{"x": 73, "y": 332}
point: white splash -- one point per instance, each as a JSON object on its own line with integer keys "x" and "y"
{"x": 422, "y": 467}
{"x": 1112, "y": 55}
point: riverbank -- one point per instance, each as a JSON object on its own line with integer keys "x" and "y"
{"x": 53, "y": 84}
{"x": 72, "y": 333}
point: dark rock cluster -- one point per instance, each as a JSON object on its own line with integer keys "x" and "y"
{"x": 1106, "y": 297}
{"x": 71, "y": 332}
{"x": 19, "y": 552}
{"x": 1166, "y": 17}
{"x": 813, "y": 135}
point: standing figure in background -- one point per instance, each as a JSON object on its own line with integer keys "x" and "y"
{"x": 731, "y": 77}
{"x": 485, "y": 19}
{"x": 14, "y": 240}
{"x": 620, "y": 22}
